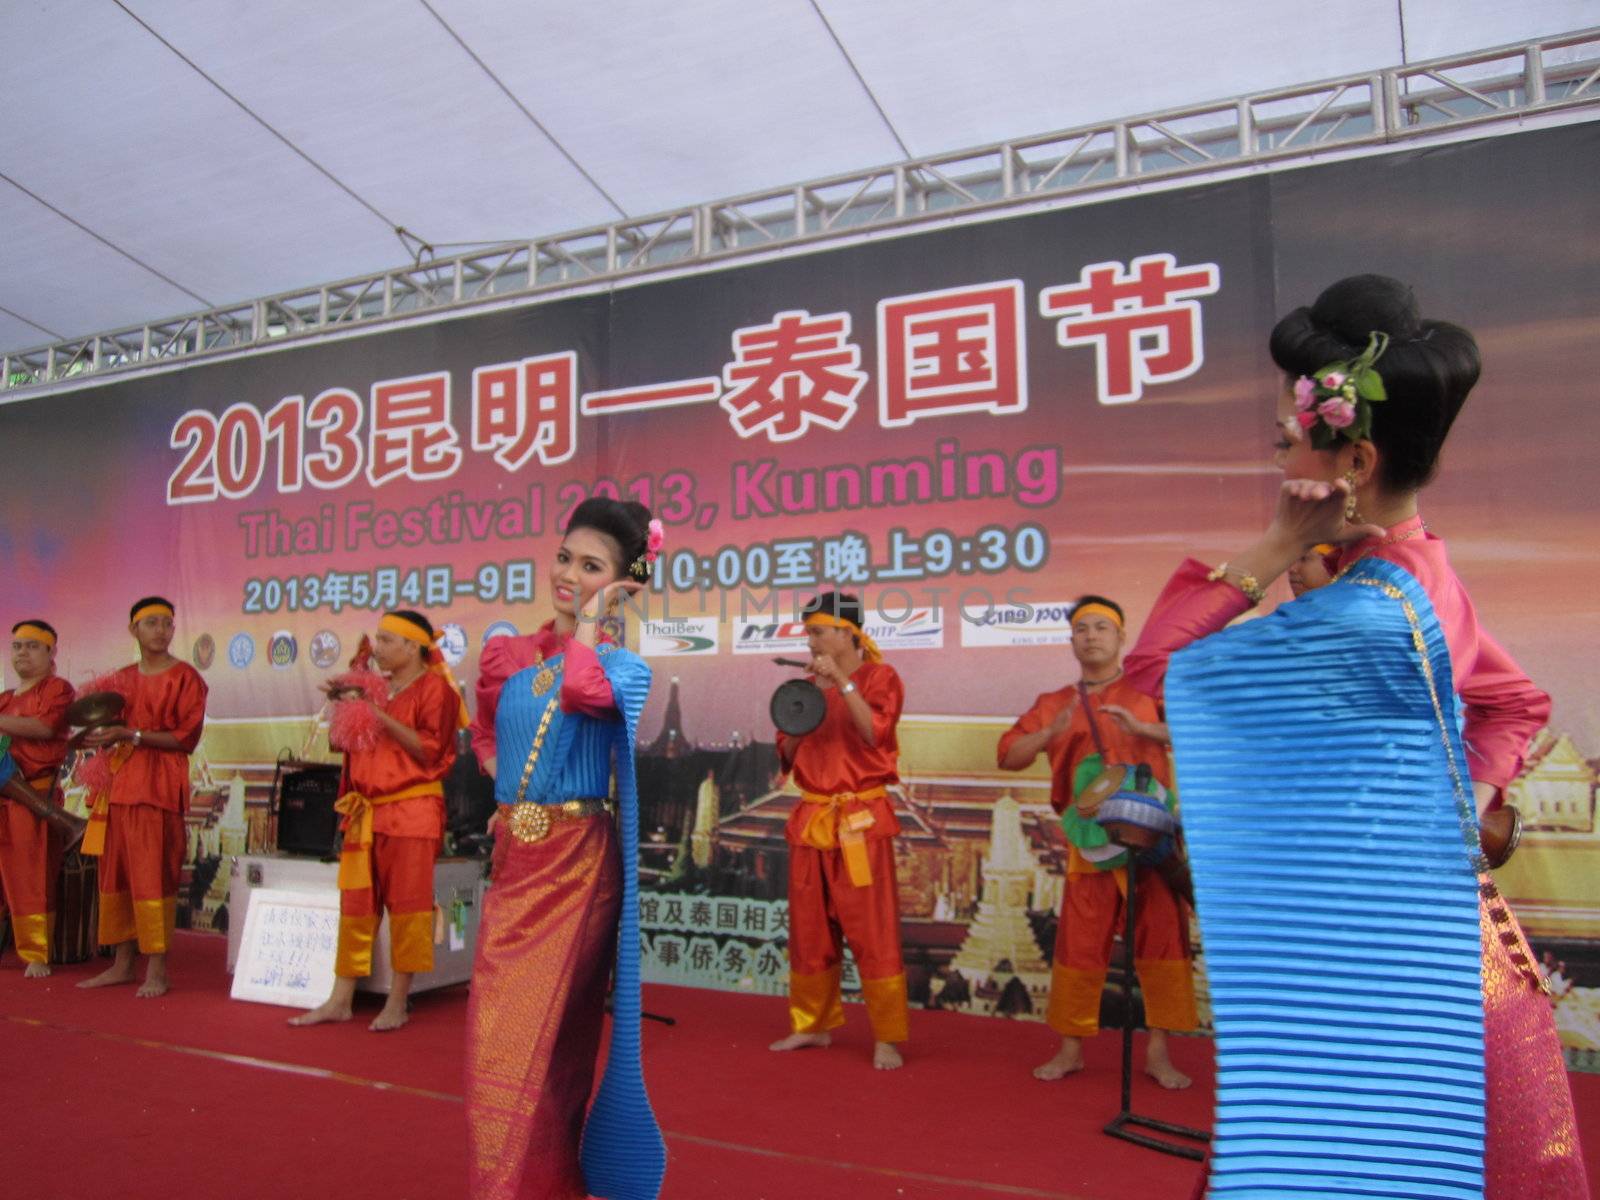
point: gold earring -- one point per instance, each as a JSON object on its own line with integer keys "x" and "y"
{"x": 1352, "y": 514}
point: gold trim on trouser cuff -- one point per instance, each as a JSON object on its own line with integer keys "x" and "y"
{"x": 814, "y": 1005}
{"x": 886, "y": 1007}
{"x": 32, "y": 933}
{"x": 153, "y": 922}
{"x": 1168, "y": 986}
{"x": 411, "y": 942}
{"x": 354, "y": 957}
{"x": 1075, "y": 1001}
{"x": 116, "y": 919}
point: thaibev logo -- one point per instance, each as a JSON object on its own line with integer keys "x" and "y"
{"x": 680, "y": 637}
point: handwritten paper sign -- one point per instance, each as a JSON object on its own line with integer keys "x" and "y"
{"x": 286, "y": 956}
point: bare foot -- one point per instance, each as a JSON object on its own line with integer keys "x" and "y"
{"x": 390, "y": 1018}
{"x": 117, "y": 972}
{"x": 1167, "y": 1075}
{"x": 885, "y": 1057}
{"x": 154, "y": 981}
{"x": 36, "y": 970}
{"x": 1068, "y": 1061}
{"x": 802, "y": 1041}
{"x": 1158, "y": 1063}
{"x": 332, "y": 1010}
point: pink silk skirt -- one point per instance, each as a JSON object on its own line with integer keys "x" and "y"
{"x": 1531, "y": 1149}
{"x": 546, "y": 948}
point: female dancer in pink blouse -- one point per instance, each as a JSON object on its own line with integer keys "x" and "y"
{"x": 558, "y": 715}
{"x": 1360, "y": 493}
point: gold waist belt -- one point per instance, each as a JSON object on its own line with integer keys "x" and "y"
{"x": 532, "y": 822}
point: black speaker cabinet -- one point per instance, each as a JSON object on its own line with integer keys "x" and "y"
{"x": 307, "y": 823}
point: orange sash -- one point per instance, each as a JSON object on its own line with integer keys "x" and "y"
{"x": 355, "y": 856}
{"x": 94, "y": 834}
{"x": 824, "y": 830}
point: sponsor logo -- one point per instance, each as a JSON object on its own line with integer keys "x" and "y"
{"x": 920, "y": 629}
{"x": 241, "y": 650}
{"x": 205, "y": 651}
{"x": 499, "y": 629}
{"x": 679, "y": 637}
{"x": 452, "y": 642}
{"x": 1046, "y": 624}
{"x": 282, "y": 650}
{"x": 324, "y": 648}
{"x": 770, "y": 637}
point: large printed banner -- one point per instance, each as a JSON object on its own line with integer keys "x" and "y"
{"x": 968, "y": 426}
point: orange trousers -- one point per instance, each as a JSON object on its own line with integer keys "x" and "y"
{"x": 825, "y": 910}
{"x": 402, "y": 882}
{"x": 139, "y": 872}
{"x": 30, "y": 864}
{"x": 1091, "y": 915}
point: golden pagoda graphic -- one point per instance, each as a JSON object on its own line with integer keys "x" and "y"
{"x": 1000, "y": 938}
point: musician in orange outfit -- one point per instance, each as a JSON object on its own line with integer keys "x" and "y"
{"x": 138, "y": 828}
{"x": 33, "y": 715}
{"x": 392, "y": 798}
{"x": 841, "y": 837}
{"x": 1131, "y": 732}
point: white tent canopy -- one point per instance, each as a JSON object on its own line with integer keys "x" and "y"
{"x": 160, "y": 156}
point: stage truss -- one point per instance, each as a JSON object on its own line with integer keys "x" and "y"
{"x": 1392, "y": 107}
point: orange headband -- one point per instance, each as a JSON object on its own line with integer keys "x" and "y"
{"x": 869, "y": 648}
{"x": 1102, "y": 610}
{"x": 401, "y": 627}
{"x": 150, "y": 610}
{"x": 37, "y": 632}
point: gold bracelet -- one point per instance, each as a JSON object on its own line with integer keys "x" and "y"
{"x": 1243, "y": 580}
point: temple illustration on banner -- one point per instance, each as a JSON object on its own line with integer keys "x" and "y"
{"x": 981, "y": 858}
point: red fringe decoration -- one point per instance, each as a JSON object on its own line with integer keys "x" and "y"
{"x": 93, "y": 771}
{"x": 353, "y": 725}
{"x": 105, "y": 683}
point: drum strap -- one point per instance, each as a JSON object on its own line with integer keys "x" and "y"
{"x": 1094, "y": 725}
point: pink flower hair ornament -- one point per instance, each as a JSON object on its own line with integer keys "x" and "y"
{"x": 655, "y": 538}
{"x": 1336, "y": 401}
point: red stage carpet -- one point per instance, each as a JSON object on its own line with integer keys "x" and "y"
{"x": 195, "y": 1095}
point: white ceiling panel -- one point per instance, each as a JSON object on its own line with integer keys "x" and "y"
{"x": 125, "y": 138}
{"x": 949, "y": 80}
{"x": 479, "y": 121}
{"x": 669, "y": 104}
{"x": 54, "y": 273}
{"x": 383, "y": 97}
{"x": 1436, "y": 28}
{"x": 14, "y": 332}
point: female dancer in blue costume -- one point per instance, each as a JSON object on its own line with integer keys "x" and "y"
{"x": 1388, "y": 672}
{"x": 554, "y": 710}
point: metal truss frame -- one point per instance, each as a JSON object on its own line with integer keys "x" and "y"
{"x": 1387, "y": 107}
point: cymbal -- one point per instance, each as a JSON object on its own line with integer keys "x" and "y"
{"x": 96, "y": 708}
{"x": 798, "y": 707}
